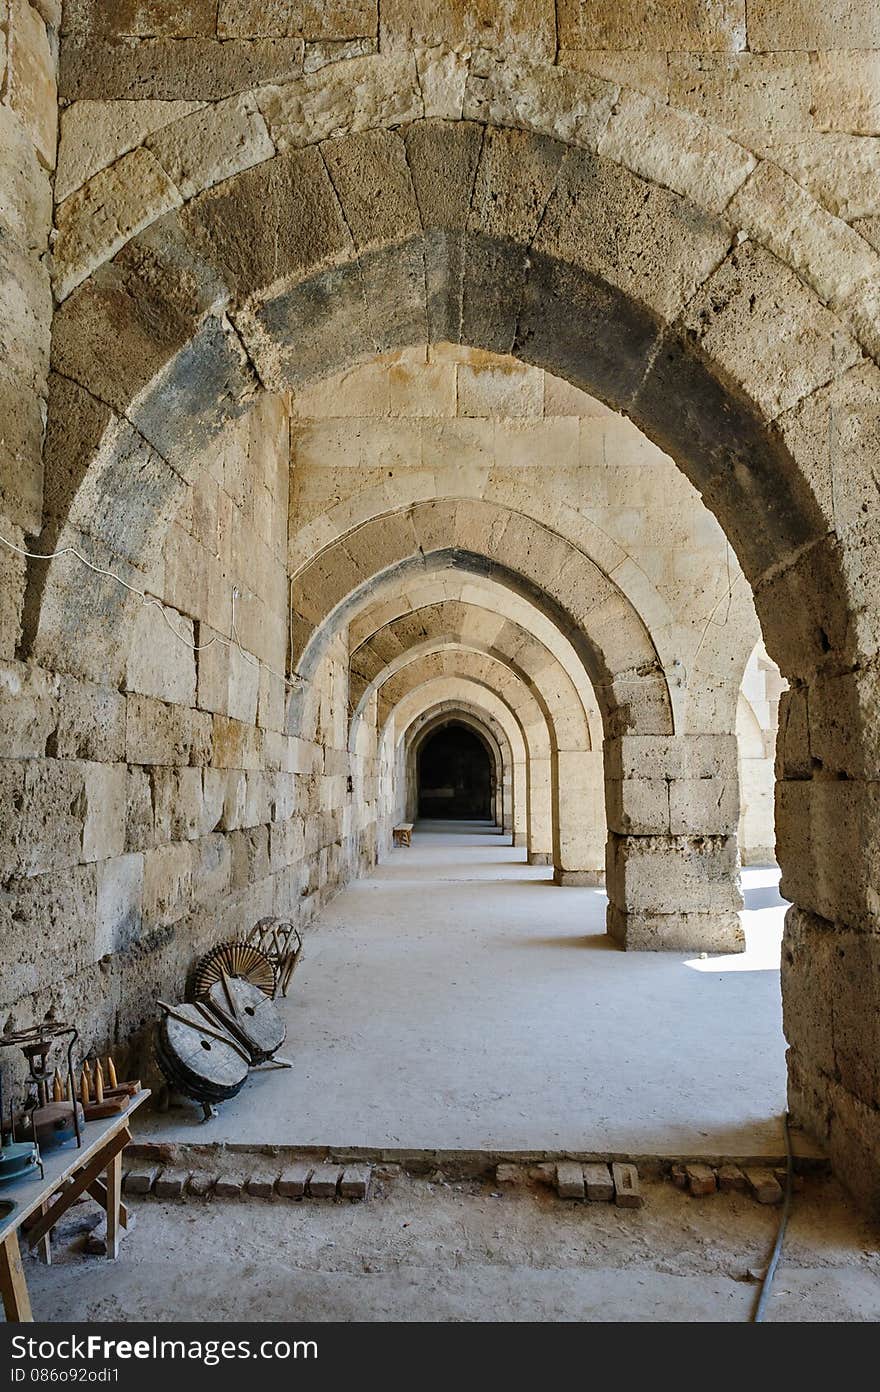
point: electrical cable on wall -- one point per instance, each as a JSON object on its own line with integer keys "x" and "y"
{"x": 232, "y": 642}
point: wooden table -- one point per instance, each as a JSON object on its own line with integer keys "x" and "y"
{"x": 95, "y": 1168}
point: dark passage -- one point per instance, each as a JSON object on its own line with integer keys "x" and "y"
{"x": 455, "y": 775}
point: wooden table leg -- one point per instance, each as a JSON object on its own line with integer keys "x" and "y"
{"x": 44, "y": 1246}
{"x": 16, "y": 1301}
{"x": 114, "y": 1204}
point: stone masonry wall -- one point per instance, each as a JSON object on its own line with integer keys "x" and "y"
{"x": 162, "y": 817}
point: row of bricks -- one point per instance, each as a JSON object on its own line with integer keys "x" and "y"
{"x": 600, "y": 1183}
{"x": 294, "y": 1182}
{"x": 767, "y": 1186}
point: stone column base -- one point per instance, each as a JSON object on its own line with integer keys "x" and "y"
{"x": 578, "y": 877}
{"x": 719, "y": 931}
{"x": 520, "y": 838}
{"x": 540, "y": 858}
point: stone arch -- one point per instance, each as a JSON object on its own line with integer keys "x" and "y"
{"x": 576, "y": 775}
{"x": 722, "y": 353}
{"x": 525, "y": 710}
{"x": 446, "y": 692}
{"x": 415, "y": 740}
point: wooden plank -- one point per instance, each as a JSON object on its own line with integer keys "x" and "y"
{"x": 79, "y": 1182}
{"x": 16, "y": 1301}
{"x": 114, "y": 1199}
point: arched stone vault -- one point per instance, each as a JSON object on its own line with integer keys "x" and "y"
{"x": 426, "y": 725}
{"x": 576, "y": 780}
{"x": 740, "y": 367}
{"x": 442, "y": 694}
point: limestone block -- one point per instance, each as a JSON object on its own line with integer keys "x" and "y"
{"x": 313, "y": 19}
{"x": 756, "y": 319}
{"x": 515, "y": 177}
{"x": 212, "y": 664}
{"x": 371, "y": 177}
{"x": 442, "y": 74}
{"x": 443, "y": 158}
{"x": 139, "y": 18}
{"x": 786, "y": 24}
{"x": 209, "y": 145}
{"x": 47, "y": 923}
{"x": 168, "y": 872}
{"x": 28, "y": 709}
{"x": 685, "y": 24}
{"x": 846, "y": 91}
{"x": 212, "y": 869}
{"x": 644, "y": 931}
{"x": 250, "y": 856}
{"x": 188, "y": 69}
{"x": 234, "y": 800}
{"x": 595, "y": 199}
{"x": 843, "y": 735}
{"x": 51, "y": 830}
{"x": 675, "y": 149}
{"x": 91, "y": 722}
{"x": 807, "y": 975}
{"x": 161, "y": 661}
{"x": 639, "y": 806}
{"x": 96, "y": 133}
{"x": 26, "y": 208}
{"x": 244, "y": 685}
{"x": 669, "y": 875}
{"x": 120, "y": 892}
{"x": 25, "y": 316}
{"x": 500, "y": 391}
{"x": 12, "y": 796}
{"x": 319, "y": 52}
{"x": 229, "y": 222}
{"x": 30, "y": 79}
{"x": 840, "y": 170}
{"x": 703, "y": 806}
{"x": 834, "y": 436}
{"x": 13, "y": 577}
{"x": 643, "y": 71}
{"x": 509, "y": 26}
{"x": 178, "y": 804}
{"x": 571, "y": 106}
{"x": 99, "y": 218}
{"x": 156, "y": 733}
{"x": 355, "y": 95}
{"x": 104, "y": 809}
{"x": 745, "y": 92}
{"x": 825, "y": 252}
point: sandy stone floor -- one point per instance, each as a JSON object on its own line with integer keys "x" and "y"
{"x": 429, "y": 1251}
{"x": 458, "y": 999}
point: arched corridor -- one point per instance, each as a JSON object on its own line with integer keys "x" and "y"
{"x": 454, "y": 1000}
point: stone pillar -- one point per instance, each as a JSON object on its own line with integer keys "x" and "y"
{"x": 672, "y": 867}
{"x": 828, "y": 834}
{"x": 579, "y": 833}
{"x": 540, "y": 812}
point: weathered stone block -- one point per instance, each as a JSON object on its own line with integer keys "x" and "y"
{"x": 358, "y": 94}
{"x": 120, "y": 894}
{"x": 161, "y": 661}
{"x": 98, "y": 219}
{"x": 103, "y": 811}
{"x": 676, "y": 149}
{"x": 47, "y": 924}
{"x": 156, "y": 733}
{"x": 324, "y": 1180}
{"x": 30, "y": 79}
{"x": 91, "y": 722}
{"x": 755, "y": 318}
{"x": 167, "y": 883}
{"x": 210, "y": 145}
{"x": 28, "y": 709}
{"x": 96, "y": 133}
{"x": 195, "y": 69}
{"x": 685, "y": 24}
{"x": 52, "y": 827}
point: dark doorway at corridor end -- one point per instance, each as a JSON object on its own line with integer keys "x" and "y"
{"x": 455, "y": 775}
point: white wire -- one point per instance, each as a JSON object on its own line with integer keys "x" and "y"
{"x": 233, "y": 642}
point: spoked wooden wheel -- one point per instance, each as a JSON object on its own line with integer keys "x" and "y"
{"x": 234, "y": 959}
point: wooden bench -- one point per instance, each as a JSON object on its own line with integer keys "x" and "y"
{"x": 95, "y": 1168}
{"x": 402, "y": 835}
